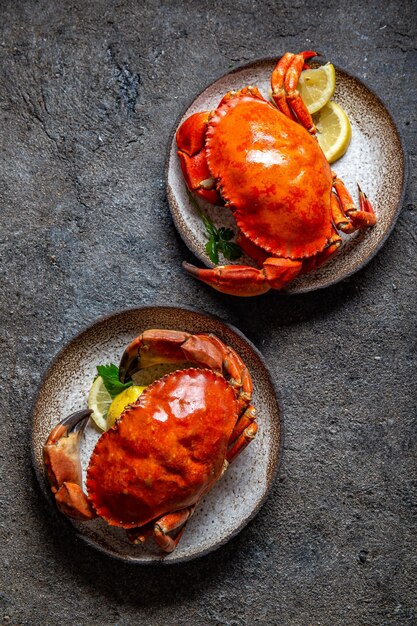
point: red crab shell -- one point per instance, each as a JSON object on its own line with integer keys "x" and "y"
{"x": 263, "y": 163}
{"x": 166, "y": 450}
{"x": 273, "y": 174}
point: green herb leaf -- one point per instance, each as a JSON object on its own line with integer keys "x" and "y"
{"x": 110, "y": 376}
{"x": 218, "y": 238}
{"x": 230, "y": 250}
{"x": 226, "y": 234}
{"x": 212, "y": 250}
{"x": 210, "y": 227}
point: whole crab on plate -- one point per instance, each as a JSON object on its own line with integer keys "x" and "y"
{"x": 263, "y": 162}
{"x": 375, "y": 159}
{"x": 148, "y": 472}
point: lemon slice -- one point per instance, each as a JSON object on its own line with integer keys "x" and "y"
{"x": 99, "y": 401}
{"x": 317, "y": 86}
{"x": 333, "y": 131}
{"x": 120, "y": 402}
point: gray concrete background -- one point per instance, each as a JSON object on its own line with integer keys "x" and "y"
{"x": 88, "y": 96}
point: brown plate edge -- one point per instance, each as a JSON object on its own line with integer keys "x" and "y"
{"x": 274, "y": 463}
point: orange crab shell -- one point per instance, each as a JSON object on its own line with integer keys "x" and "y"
{"x": 165, "y": 451}
{"x": 273, "y": 175}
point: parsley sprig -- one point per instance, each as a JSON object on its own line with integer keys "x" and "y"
{"x": 110, "y": 376}
{"x": 219, "y": 239}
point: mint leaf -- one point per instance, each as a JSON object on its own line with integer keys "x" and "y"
{"x": 110, "y": 376}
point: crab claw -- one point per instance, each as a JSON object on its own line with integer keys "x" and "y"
{"x": 244, "y": 280}
{"x": 129, "y": 362}
{"x": 191, "y": 134}
{"x": 61, "y": 455}
{"x": 151, "y": 348}
{"x": 190, "y": 139}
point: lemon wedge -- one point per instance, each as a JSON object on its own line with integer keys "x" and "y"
{"x": 317, "y": 86}
{"x": 99, "y": 401}
{"x": 120, "y": 402}
{"x": 333, "y": 131}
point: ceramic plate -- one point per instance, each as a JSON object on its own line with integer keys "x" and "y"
{"x": 375, "y": 159}
{"x": 237, "y": 496}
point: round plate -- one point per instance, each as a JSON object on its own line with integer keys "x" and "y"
{"x": 237, "y": 496}
{"x": 375, "y": 159}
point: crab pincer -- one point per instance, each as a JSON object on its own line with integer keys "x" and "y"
{"x": 61, "y": 456}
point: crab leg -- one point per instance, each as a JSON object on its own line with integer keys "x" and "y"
{"x": 284, "y": 81}
{"x": 160, "y": 529}
{"x": 277, "y": 83}
{"x": 140, "y": 534}
{"x": 243, "y": 422}
{"x": 240, "y": 378}
{"x": 294, "y": 98}
{"x": 167, "y": 524}
{"x": 345, "y": 214}
{"x": 242, "y": 441}
{"x": 244, "y": 280}
{"x": 61, "y": 455}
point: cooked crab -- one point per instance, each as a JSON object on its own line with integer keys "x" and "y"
{"x": 265, "y": 164}
{"x": 150, "y": 470}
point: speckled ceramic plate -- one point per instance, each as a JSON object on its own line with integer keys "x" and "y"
{"x": 237, "y": 496}
{"x": 375, "y": 159}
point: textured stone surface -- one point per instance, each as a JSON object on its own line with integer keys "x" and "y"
{"x": 88, "y": 97}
